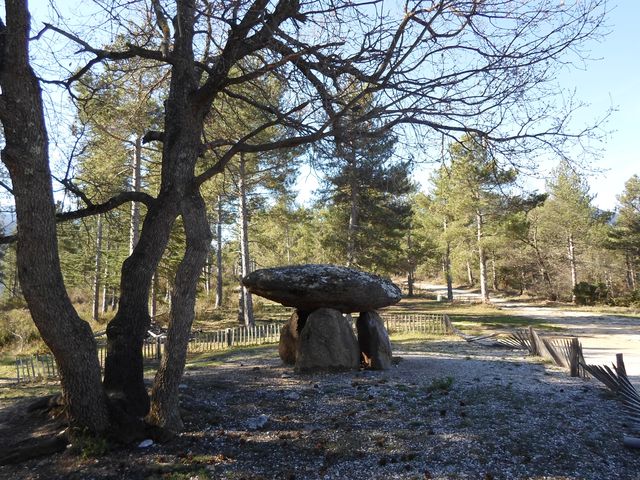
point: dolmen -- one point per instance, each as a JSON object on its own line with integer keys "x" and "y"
{"x": 319, "y": 336}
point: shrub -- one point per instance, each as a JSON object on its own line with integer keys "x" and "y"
{"x": 590, "y": 294}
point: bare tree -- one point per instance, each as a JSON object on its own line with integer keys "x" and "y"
{"x": 447, "y": 67}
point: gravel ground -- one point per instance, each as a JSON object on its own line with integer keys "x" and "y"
{"x": 447, "y": 410}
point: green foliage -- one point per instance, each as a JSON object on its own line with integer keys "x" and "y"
{"x": 440, "y": 385}
{"x": 365, "y": 197}
{"x": 88, "y": 445}
{"x": 590, "y": 294}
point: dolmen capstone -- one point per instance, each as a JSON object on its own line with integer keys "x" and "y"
{"x": 319, "y": 335}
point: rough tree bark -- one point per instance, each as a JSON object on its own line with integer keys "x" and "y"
{"x": 26, "y": 157}
{"x": 164, "y": 396}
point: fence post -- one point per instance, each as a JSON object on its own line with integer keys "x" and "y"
{"x": 229, "y": 337}
{"x": 158, "y": 346}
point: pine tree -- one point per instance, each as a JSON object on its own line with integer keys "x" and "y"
{"x": 625, "y": 234}
{"x": 566, "y": 218}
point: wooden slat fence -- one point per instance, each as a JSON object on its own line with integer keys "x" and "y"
{"x": 563, "y": 351}
{"x": 429, "y": 323}
{"x": 38, "y": 367}
{"x": 617, "y": 381}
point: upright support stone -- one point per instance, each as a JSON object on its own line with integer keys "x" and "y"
{"x": 327, "y": 342}
{"x": 373, "y": 339}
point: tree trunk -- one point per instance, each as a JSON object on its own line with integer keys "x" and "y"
{"x": 134, "y": 231}
{"x": 447, "y": 263}
{"x": 25, "y": 155}
{"x": 630, "y": 273}
{"x": 245, "y": 258}
{"x": 123, "y": 375}
{"x": 105, "y": 278}
{"x": 164, "y": 395}
{"x": 542, "y": 266}
{"x": 447, "y": 272}
{"x": 470, "y": 278}
{"x": 207, "y": 274}
{"x": 572, "y": 263}
{"x": 354, "y": 212}
{"x": 98, "y": 268}
{"x": 410, "y": 269}
{"x": 494, "y": 273}
{"x": 153, "y": 312}
{"x": 219, "y": 255}
{"x": 484, "y": 291}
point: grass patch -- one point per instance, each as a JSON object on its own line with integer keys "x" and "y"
{"x": 214, "y": 359}
{"x": 440, "y": 385}
{"x": 28, "y": 390}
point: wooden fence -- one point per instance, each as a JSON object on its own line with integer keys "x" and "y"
{"x": 36, "y": 367}
{"x": 39, "y": 367}
{"x": 563, "y": 351}
{"x": 429, "y": 323}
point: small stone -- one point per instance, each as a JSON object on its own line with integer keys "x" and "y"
{"x": 294, "y": 396}
{"x": 258, "y": 422}
{"x": 145, "y": 443}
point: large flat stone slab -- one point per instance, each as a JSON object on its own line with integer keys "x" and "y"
{"x": 309, "y": 287}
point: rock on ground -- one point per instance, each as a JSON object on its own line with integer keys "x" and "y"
{"x": 374, "y": 341}
{"x": 309, "y": 287}
{"x": 327, "y": 341}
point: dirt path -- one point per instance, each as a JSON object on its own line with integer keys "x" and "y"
{"x": 602, "y": 336}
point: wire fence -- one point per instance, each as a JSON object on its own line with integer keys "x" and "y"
{"x": 43, "y": 366}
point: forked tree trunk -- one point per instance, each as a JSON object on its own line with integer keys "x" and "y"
{"x": 164, "y": 396}
{"x": 123, "y": 376}
{"x": 25, "y": 155}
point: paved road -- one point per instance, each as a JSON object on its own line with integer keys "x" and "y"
{"x": 602, "y": 336}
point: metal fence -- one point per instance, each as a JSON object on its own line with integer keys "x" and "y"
{"x": 39, "y": 367}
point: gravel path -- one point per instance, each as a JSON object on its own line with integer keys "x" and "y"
{"x": 447, "y": 410}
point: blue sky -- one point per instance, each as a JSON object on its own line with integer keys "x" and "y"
{"x": 614, "y": 80}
